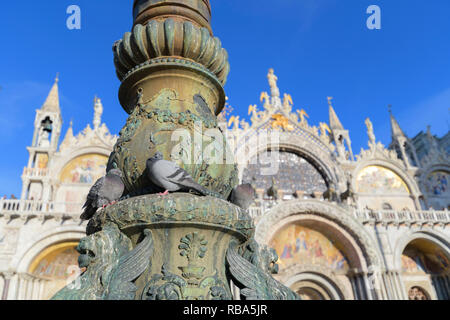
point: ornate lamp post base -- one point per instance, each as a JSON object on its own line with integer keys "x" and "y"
{"x": 177, "y": 247}
{"x": 181, "y": 246}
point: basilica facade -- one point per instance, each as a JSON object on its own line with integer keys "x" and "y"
{"x": 346, "y": 226}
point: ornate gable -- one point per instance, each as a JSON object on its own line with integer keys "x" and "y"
{"x": 99, "y": 136}
{"x": 377, "y": 150}
{"x": 277, "y": 115}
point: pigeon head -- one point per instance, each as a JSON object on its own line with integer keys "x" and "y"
{"x": 247, "y": 188}
{"x": 116, "y": 172}
{"x": 158, "y": 156}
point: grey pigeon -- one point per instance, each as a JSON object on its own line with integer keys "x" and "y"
{"x": 170, "y": 177}
{"x": 105, "y": 191}
{"x": 243, "y": 196}
{"x": 273, "y": 190}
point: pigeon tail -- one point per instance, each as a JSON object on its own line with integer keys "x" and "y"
{"x": 88, "y": 213}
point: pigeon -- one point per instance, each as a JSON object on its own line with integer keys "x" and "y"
{"x": 170, "y": 177}
{"x": 105, "y": 191}
{"x": 243, "y": 196}
{"x": 273, "y": 190}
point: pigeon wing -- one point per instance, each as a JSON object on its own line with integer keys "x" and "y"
{"x": 183, "y": 179}
{"x": 90, "y": 205}
{"x": 111, "y": 190}
{"x": 176, "y": 175}
{"x": 94, "y": 191}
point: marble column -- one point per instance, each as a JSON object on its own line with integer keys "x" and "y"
{"x": 20, "y": 287}
{"x": 364, "y": 286}
{"x": 370, "y": 287}
{"x": 26, "y": 287}
{"x": 401, "y": 286}
{"x": 361, "y": 287}
{"x": 441, "y": 287}
{"x": 354, "y": 287}
{"x": 12, "y": 287}
{"x": 383, "y": 288}
{"x": 4, "y": 287}
{"x": 35, "y": 293}
{"x": 395, "y": 294}
{"x": 42, "y": 284}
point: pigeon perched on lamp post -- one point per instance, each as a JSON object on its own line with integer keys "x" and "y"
{"x": 243, "y": 196}
{"x": 106, "y": 191}
{"x": 170, "y": 177}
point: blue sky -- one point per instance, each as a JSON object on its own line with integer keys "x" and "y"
{"x": 318, "y": 48}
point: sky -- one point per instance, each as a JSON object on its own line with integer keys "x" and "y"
{"x": 318, "y": 48}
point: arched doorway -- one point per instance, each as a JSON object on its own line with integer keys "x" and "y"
{"x": 309, "y": 291}
{"x": 315, "y": 285}
{"x": 315, "y": 258}
{"x": 337, "y": 231}
{"x": 425, "y": 270}
{"x": 418, "y": 293}
{"x": 57, "y": 265}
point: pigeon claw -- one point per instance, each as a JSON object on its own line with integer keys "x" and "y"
{"x": 109, "y": 204}
{"x": 164, "y": 194}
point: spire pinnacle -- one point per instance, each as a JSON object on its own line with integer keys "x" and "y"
{"x": 51, "y": 104}
{"x": 335, "y": 123}
{"x": 69, "y": 137}
{"x": 395, "y": 127}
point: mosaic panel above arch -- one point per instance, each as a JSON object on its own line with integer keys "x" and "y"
{"x": 437, "y": 183}
{"x": 380, "y": 180}
{"x": 291, "y": 173}
{"x": 85, "y": 169}
{"x": 423, "y": 257}
{"x": 297, "y": 244}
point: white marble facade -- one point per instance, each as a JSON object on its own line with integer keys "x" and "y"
{"x": 371, "y": 226}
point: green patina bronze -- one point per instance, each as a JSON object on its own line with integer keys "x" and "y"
{"x": 181, "y": 246}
